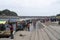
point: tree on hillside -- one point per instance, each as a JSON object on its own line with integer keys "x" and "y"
{"x": 58, "y": 15}
{"x": 0, "y": 13}
{"x": 7, "y": 12}
{"x": 58, "y": 18}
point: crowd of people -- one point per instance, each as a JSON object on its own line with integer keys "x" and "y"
{"x": 23, "y": 25}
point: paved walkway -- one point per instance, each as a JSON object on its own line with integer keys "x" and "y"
{"x": 22, "y": 35}
{"x": 42, "y": 32}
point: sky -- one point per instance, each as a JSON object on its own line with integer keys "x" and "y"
{"x": 32, "y": 7}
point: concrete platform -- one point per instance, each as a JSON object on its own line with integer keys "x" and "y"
{"x": 42, "y": 32}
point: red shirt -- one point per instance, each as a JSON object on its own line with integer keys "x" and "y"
{"x": 11, "y": 28}
{"x": 28, "y": 25}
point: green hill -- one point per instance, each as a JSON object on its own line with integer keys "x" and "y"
{"x": 7, "y": 12}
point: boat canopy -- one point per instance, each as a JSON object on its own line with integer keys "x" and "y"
{"x": 2, "y": 22}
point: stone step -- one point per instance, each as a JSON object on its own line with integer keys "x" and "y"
{"x": 51, "y": 36}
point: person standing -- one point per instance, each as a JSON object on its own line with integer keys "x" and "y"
{"x": 34, "y": 24}
{"x": 28, "y": 26}
{"x": 11, "y": 31}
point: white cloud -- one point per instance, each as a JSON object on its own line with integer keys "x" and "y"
{"x": 27, "y": 3}
{"x": 29, "y": 7}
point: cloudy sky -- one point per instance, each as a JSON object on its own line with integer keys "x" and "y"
{"x": 32, "y": 7}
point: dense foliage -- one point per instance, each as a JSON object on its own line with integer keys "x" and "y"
{"x": 58, "y": 15}
{"x": 7, "y": 12}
